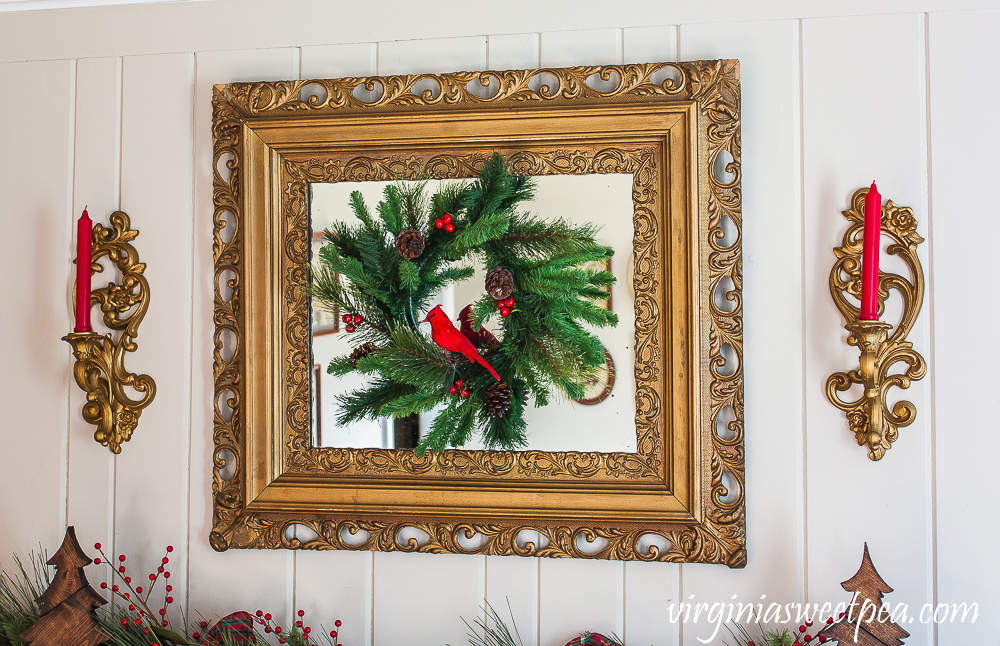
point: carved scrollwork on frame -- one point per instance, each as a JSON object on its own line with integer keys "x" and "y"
{"x": 458, "y": 90}
{"x": 869, "y": 417}
{"x": 640, "y": 163}
{"x": 494, "y": 539}
{"x": 667, "y": 124}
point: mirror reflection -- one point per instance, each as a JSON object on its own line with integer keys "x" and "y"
{"x": 603, "y": 420}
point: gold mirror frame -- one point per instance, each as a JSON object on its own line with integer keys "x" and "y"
{"x": 684, "y": 483}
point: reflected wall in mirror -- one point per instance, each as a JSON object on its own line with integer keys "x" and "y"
{"x": 663, "y": 482}
{"x": 607, "y": 424}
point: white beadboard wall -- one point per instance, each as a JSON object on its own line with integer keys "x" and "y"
{"x": 110, "y": 107}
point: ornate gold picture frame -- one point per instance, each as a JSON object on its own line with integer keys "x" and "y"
{"x": 674, "y": 127}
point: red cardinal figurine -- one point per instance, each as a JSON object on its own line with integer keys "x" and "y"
{"x": 445, "y": 335}
{"x": 481, "y": 339}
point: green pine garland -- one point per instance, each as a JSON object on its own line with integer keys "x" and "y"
{"x": 20, "y": 589}
{"x": 544, "y": 348}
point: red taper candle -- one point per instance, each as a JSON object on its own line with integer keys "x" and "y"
{"x": 869, "y": 255}
{"x": 84, "y": 231}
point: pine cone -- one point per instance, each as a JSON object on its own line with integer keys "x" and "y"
{"x": 498, "y": 398}
{"x": 361, "y": 352}
{"x": 499, "y": 283}
{"x": 409, "y": 243}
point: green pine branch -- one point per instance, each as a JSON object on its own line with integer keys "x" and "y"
{"x": 18, "y": 591}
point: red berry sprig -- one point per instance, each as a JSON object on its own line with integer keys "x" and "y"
{"x": 300, "y": 633}
{"x": 506, "y": 306}
{"x": 445, "y": 222}
{"x": 457, "y": 389}
{"x": 802, "y": 638}
{"x": 145, "y": 615}
{"x": 352, "y": 320}
{"x": 264, "y": 619}
{"x": 196, "y": 635}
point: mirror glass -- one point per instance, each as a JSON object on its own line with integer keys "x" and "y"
{"x": 604, "y": 421}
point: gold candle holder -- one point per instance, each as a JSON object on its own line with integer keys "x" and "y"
{"x": 100, "y": 360}
{"x": 869, "y": 417}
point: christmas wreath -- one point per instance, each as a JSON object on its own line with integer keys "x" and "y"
{"x": 384, "y": 271}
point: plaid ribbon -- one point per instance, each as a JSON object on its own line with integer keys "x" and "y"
{"x": 233, "y": 629}
{"x": 592, "y": 639}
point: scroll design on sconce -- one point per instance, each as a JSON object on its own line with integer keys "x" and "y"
{"x": 100, "y": 360}
{"x": 870, "y": 418}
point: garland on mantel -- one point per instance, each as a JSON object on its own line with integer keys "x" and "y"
{"x": 135, "y": 620}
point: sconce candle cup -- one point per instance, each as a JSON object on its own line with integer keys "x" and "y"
{"x": 100, "y": 360}
{"x": 870, "y": 417}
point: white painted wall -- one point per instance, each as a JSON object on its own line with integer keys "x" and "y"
{"x": 110, "y": 107}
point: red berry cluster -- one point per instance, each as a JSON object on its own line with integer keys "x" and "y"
{"x": 352, "y": 320}
{"x": 445, "y": 222}
{"x": 204, "y": 625}
{"x": 301, "y": 630}
{"x": 456, "y": 388}
{"x": 144, "y": 615}
{"x": 802, "y": 638}
{"x": 505, "y": 306}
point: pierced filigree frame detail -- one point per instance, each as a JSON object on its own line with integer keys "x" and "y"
{"x": 667, "y": 133}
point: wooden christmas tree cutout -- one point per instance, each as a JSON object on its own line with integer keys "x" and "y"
{"x": 66, "y": 607}
{"x": 865, "y": 624}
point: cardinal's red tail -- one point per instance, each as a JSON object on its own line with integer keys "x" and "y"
{"x": 482, "y": 361}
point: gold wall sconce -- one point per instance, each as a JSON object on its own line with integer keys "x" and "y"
{"x": 100, "y": 360}
{"x": 882, "y": 345}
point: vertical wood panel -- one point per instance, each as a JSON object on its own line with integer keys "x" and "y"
{"x": 511, "y": 581}
{"x": 152, "y": 470}
{"x": 513, "y": 51}
{"x": 95, "y": 185}
{"x": 584, "y": 47}
{"x": 336, "y": 61}
{"x": 864, "y": 119}
{"x": 650, "y": 44}
{"x": 410, "y": 589}
{"x": 338, "y": 584}
{"x": 35, "y": 205}
{"x": 577, "y": 595}
{"x": 250, "y": 579}
{"x": 512, "y": 591}
{"x": 772, "y": 341}
{"x": 434, "y": 56}
{"x": 966, "y": 402}
{"x": 650, "y": 588}
{"x": 422, "y": 598}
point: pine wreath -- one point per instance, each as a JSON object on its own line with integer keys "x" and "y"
{"x": 544, "y": 346}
